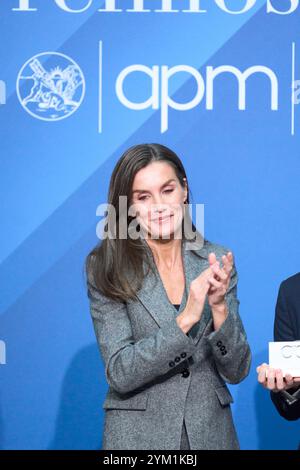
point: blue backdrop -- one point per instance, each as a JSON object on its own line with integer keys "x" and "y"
{"x": 78, "y": 87}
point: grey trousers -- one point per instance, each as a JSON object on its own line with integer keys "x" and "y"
{"x": 184, "y": 444}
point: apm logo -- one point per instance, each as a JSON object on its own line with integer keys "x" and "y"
{"x": 166, "y": 6}
{"x": 2, "y": 352}
{"x": 161, "y": 98}
{"x": 160, "y": 78}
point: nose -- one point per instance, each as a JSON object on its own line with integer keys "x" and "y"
{"x": 158, "y": 207}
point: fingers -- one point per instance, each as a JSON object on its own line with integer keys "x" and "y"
{"x": 202, "y": 281}
{"x": 212, "y": 258}
{"x": 214, "y": 282}
{"x": 289, "y": 380}
{"x": 219, "y": 278}
{"x": 261, "y": 370}
{"x": 279, "y": 379}
{"x": 272, "y": 379}
{"x": 266, "y": 376}
{"x": 207, "y": 273}
{"x": 227, "y": 262}
{"x": 217, "y": 285}
{"x": 219, "y": 272}
{"x": 212, "y": 289}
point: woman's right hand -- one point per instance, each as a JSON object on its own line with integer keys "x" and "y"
{"x": 196, "y": 300}
{"x": 273, "y": 379}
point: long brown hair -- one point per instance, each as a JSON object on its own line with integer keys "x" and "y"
{"x": 115, "y": 265}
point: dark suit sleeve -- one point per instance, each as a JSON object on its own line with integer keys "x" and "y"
{"x": 283, "y": 331}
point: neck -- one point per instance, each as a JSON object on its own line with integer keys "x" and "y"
{"x": 167, "y": 253}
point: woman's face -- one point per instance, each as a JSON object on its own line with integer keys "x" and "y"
{"x": 158, "y": 199}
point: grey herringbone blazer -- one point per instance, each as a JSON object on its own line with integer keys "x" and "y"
{"x": 145, "y": 353}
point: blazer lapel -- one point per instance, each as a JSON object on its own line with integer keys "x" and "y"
{"x": 154, "y": 296}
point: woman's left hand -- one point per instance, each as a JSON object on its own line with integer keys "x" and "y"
{"x": 220, "y": 280}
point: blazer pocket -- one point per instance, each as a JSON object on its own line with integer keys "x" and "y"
{"x": 224, "y": 395}
{"x": 135, "y": 402}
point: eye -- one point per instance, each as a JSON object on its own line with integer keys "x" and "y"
{"x": 142, "y": 198}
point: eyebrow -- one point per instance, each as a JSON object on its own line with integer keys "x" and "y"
{"x": 146, "y": 191}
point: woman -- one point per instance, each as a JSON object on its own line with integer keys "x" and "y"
{"x": 165, "y": 315}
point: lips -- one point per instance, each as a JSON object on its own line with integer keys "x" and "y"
{"x": 162, "y": 219}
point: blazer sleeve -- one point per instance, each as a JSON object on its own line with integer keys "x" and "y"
{"x": 283, "y": 331}
{"x": 229, "y": 343}
{"x": 130, "y": 364}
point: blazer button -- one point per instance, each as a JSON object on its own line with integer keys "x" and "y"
{"x": 177, "y": 359}
{"x": 172, "y": 364}
{"x": 185, "y": 373}
{"x": 183, "y": 354}
{"x": 219, "y": 343}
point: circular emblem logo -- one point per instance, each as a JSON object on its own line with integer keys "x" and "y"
{"x": 50, "y": 86}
